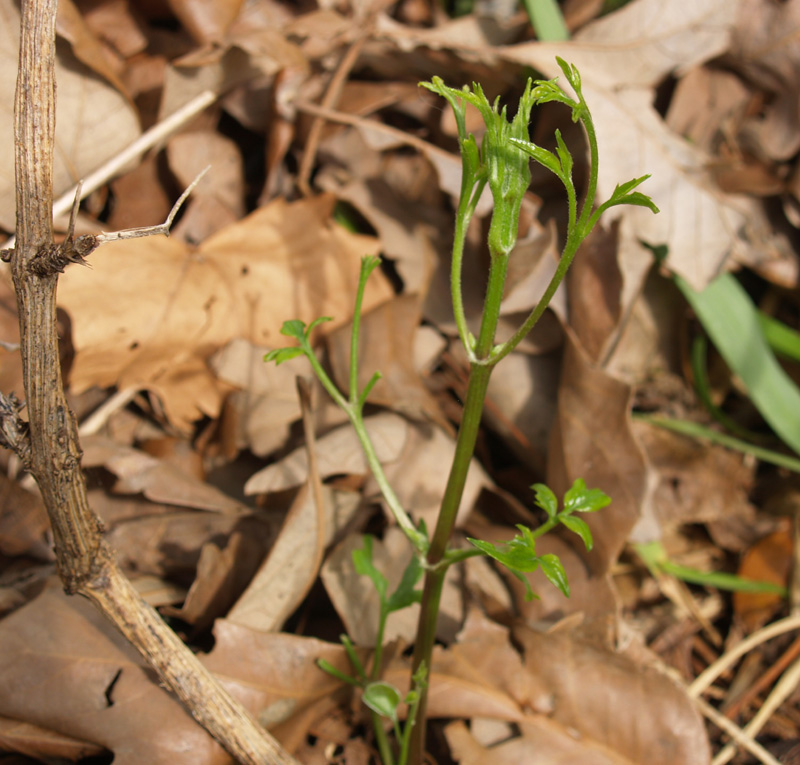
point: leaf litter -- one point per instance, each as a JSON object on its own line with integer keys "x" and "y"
{"x": 323, "y": 151}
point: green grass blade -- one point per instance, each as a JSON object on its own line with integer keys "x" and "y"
{"x": 731, "y": 321}
{"x": 547, "y": 20}
{"x": 694, "y": 430}
{"x": 654, "y": 556}
{"x": 703, "y": 388}
{"x": 782, "y": 339}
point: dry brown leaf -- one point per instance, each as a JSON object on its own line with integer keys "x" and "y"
{"x": 23, "y": 522}
{"x": 86, "y": 47}
{"x": 595, "y": 288}
{"x": 155, "y": 539}
{"x": 634, "y": 711}
{"x": 218, "y": 200}
{"x": 40, "y": 743}
{"x": 405, "y": 234}
{"x": 704, "y": 101}
{"x": 157, "y": 479}
{"x": 67, "y": 670}
{"x": 698, "y": 482}
{"x": 83, "y": 140}
{"x": 206, "y": 20}
{"x": 163, "y": 310}
{"x": 540, "y": 741}
{"x": 274, "y": 674}
{"x": 768, "y": 560}
{"x": 765, "y": 50}
{"x": 139, "y": 197}
{"x": 291, "y": 567}
{"x": 649, "y": 342}
{"x": 222, "y": 575}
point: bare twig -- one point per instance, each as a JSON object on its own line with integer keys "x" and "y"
{"x": 736, "y": 733}
{"x": 161, "y": 228}
{"x": 50, "y": 448}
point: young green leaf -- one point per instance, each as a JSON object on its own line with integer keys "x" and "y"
{"x": 554, "y": 571}
{"x": 544, "y": 157}
{"x": 405, "y": 594}
{"x": 279, "y": 355}
{"x": 578, "y": 526}
{"x": 362, "y": 560}
{"x": 564, "y": 155}
{"x": 383, "y": 698}
{"x": 579, "y": 499}
{"x": 294, "y": 328}
{"x": 545, "y": 499}
{"x": 518, "y": 555}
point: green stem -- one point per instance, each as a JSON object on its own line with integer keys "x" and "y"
{"x": 423, "y": 650}
{"x": 378, "y": 655}
{"x": 382, "y": 740}
{"x": 392, "y": 500}
{"x": 434, "y": 576}
{"x": 462, "y": 224}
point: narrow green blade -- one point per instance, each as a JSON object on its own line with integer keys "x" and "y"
{"x": 732, "y": 322}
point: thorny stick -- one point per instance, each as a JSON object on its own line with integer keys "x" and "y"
{"x": 50, "y": 448}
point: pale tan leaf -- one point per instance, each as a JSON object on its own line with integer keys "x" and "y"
{"x": 291, "y": 567}
{"x": 93, "y": 120}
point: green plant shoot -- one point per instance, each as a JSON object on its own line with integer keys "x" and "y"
{"x": 501, "y": 162}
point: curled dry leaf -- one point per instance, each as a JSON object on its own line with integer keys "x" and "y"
{"x": 572, "y": 701}
{"x": 164, "y": 309}
{"x": 292, "y": 565}
{"x": 43, "y": 744}
{"x": 633, "y": 710}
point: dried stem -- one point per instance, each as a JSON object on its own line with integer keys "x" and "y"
{"x": 49, "y": 446}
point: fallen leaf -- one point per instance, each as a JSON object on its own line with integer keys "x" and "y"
{"x": 67, "y": 670}
{"x": 291, "y": 567}
{"x": 157, "y": 479}
{"x": 40, "y": 743}
{"x": 768, "y": 560}
{"x": 163, "y": 310}
{"x": 634, "y": 711}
